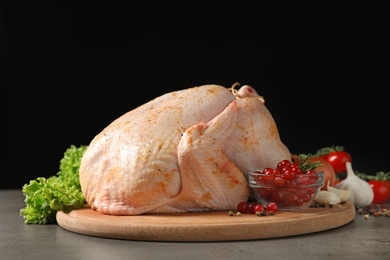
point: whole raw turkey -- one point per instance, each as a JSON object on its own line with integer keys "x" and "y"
{"x": 188, "y": 150}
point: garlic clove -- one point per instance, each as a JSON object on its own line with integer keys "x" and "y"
{"x": 328, "y": 197}
{"x": 344, "y": 195}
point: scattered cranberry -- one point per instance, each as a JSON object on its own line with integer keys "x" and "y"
{"x": 257, "y": 208}
{"x": 251, "y": 207}
{"x": 242, "y": 207}
{"x": 272, "y": 206}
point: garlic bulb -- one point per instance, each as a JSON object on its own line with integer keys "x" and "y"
{"x": 361, "y": 191}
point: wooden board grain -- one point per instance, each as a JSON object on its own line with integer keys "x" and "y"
{"x": 205, "y": 226}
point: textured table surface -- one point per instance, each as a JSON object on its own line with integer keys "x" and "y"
{"x": 360, "y": 239}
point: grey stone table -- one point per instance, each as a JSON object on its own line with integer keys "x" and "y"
{"x": 359, "y": 239}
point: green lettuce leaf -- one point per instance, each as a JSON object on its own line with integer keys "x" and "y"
{"x": 45, "y": 196}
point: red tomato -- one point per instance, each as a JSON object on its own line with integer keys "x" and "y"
{"x": 329, "y": 172}
{"x": 387, "y": 182}
{"x": 381, "y": 191}
{"x": 338, "y": 160}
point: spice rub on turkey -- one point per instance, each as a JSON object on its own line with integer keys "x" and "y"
{"x": 185, "y": 151}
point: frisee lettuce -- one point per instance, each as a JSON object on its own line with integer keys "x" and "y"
{"x": 45, "y": 196}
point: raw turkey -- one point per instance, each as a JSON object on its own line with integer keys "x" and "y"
{"x": 185, "y": 151}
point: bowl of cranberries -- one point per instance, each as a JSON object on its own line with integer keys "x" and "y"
{"x": 292, "y": 186}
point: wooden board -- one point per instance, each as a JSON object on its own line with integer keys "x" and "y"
{"x": 205, "y": 226}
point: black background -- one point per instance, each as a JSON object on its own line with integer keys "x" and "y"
{"x": 68, "y": 69}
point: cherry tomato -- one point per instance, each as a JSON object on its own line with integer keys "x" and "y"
{"x": 329, "y": 172}
{"x": 338, "y": 160}
{"x": 381, "y": 191}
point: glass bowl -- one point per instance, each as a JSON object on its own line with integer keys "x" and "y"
{"x": 289, "y": 192}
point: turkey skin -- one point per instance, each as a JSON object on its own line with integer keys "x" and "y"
{"x": 185, "y": 151}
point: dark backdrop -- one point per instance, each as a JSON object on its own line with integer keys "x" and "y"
{"x": 69, "y": 69}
